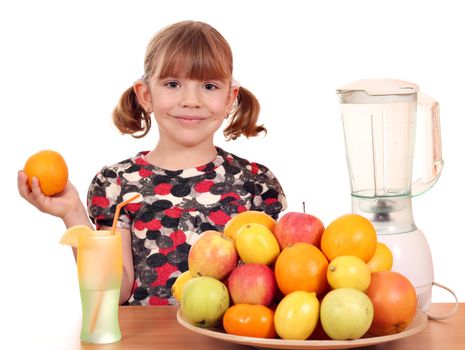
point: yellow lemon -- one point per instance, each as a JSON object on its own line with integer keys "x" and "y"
{"x": 178, "y": 285}
{"x": 382, "y": 259}
{"x": 248, "y": 217}
{"x": 348, "y": 271}
{"x": 72, "y": 235}
{"x": 256, "y": 244}
{"x": 297, "y": 315}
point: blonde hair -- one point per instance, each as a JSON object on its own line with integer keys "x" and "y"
{"x": 204, "y": 54}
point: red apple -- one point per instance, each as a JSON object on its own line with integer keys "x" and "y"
{"x": 252, "y": 284}
{"x": 213, "y": 255}
{"x": 296, "y": 227}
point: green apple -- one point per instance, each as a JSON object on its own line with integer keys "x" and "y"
{"x": 346, "y": 313}
{"x": 204, "y": 301}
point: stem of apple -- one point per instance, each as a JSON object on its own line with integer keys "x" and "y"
{"x": 303, "y": 206}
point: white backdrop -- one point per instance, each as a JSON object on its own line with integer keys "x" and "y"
{"x": 64, "y": 65}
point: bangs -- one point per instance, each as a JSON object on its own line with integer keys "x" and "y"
{"x": 197, "y": 54}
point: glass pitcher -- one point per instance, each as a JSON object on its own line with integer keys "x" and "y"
{"x": 379, "y": 119}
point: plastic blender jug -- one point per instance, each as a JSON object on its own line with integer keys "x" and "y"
{"x": 379, "y": 119}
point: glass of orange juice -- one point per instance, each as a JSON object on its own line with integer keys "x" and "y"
{"x": 100, "y": 268}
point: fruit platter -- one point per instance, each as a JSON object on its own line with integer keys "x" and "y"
{"x": 296, "y": 284}
{"x": 418, "y": 324}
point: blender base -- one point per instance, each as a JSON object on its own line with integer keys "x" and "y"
{"x": 412, "y": 258}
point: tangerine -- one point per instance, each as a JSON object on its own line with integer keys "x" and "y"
{"x": 248, "y": 217}
{"x": 51, "y": 170}
{"x": 301, "y": 266}
{"x": 250, "y": 321}
{"x": 350, "y": 234}
{"x": 394, "y": 301}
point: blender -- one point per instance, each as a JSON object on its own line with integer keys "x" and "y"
{"x": 379, "y": 119}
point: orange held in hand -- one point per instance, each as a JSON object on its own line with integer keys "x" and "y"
{"x": 51, "y": 170}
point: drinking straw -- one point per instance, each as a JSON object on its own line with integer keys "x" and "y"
{"x": 93, "y": 320}
{"x": 118, "y": 209}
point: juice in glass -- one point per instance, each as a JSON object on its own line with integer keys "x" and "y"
{"x": 100, "y": 267}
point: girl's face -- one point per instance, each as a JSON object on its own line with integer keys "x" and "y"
{"x": 188, "y": 112}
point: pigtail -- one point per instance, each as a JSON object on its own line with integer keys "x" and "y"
{"x": 129, "y": 117}
{"x": 243, "y": 118}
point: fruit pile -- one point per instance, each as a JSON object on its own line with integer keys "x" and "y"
{"x": 295, "y": 279}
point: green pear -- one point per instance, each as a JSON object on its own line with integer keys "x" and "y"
{"x": 204, "y": 301}
{"x": 346, "y": 313}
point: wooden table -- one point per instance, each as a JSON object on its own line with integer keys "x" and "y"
{"x": 157, "y": 328}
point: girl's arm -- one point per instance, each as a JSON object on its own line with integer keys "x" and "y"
{"x": 67, "y": 206}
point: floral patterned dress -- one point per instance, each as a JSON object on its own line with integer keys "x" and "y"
{"x": 177, "y": 206}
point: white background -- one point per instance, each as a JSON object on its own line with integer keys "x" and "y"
{"x": 64, "y": 64}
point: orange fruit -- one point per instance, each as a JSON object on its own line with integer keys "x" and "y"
{"x": 394, "y": 301}
{"x": 250, "y": 321}
{"x": 248, "y": 217}
{"x": 73, "y": 234}
{"x": 382, "y": 259}
{"x": 51, "y": 170}
{"x": 301, "y": 266}
{"x": 350, "y": 234}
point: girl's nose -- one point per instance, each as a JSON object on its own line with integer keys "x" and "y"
{"x": 190, "y": 97}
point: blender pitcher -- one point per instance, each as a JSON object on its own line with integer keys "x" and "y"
{"x": 379, "y": 121}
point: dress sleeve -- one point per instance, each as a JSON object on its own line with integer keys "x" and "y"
{"x": 270, "y": 197}
{"x": 102, "y": 197}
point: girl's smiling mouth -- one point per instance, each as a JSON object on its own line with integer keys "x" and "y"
{"x": 190, "y": 118}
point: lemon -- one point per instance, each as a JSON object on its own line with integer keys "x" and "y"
{"x": 178, "y": 286}
{"x": 296, "y": 315}
{"x": 72, "y": 235}
{"x": 382, "y": 259}
{"x": 256, "y": 244}
{"x": 233, "y": 226}
{"x": 348, "y": 271}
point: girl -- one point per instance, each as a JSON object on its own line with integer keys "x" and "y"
{"x": 187, "y": 184}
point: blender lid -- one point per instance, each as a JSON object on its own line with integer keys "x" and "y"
{"x": 380, "y": 87}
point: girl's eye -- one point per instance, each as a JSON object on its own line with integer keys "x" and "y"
{"x": 210, "y": 86}
{"x": 172, "y": 84}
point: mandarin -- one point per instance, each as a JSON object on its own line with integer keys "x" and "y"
{"x": 51, "y": 170}
{"x": 250, "y": 321}
{"x": 301, "y": 266}
{"x": 350, "y": 234}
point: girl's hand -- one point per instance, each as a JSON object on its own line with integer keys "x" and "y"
{"x": 65, "y": 205}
